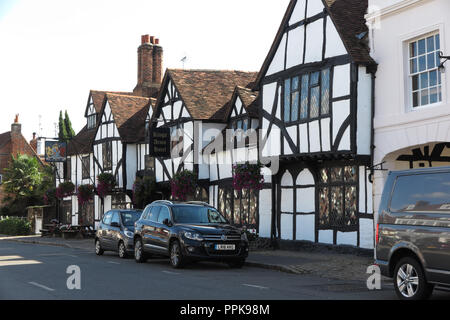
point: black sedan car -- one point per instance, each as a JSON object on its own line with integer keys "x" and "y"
{"x": 116, "y": 232}
{"x": 188, "y": 232}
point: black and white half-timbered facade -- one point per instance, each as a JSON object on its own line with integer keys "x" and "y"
{"x": 193, "y": 104}
{"x": 237, "y": 144}
{"x": 316, "y": 107}
{"x": 119, "y": 147}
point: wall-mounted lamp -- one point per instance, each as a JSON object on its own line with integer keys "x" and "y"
{"x": 441, "y": 56}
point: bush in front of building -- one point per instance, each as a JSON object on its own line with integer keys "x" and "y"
{"x": 14, "y": 226}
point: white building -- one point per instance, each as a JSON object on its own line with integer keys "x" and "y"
{"x": 412, "y": 118}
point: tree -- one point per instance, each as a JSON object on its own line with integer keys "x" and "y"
{"x": 62, "y": 135}
{"x": 25, "y": 182}
{"x": 69, "y": 130}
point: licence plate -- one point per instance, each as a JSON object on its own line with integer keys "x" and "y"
{"x": 224, "y": 247}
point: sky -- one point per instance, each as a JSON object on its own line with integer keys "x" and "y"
{"x": 52, "y": 52}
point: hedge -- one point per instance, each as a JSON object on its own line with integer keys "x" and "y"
{"x": 14, "y": 226}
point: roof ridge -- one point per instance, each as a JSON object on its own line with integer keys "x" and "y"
{"x": 210, "y": 70}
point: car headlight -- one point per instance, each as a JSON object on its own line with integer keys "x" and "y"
{"x": 244, "y": 236}
{"x": 193, "y": 236}
{"x": 128, "y": 234}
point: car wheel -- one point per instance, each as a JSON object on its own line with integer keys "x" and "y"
{"x": 237, "y": 263}
{"x": 139, "y": 254}
{"x": 409, "y": 280}
{"x": 177, "y": 259}
{"x": 98, "y": 248}
{"x": 122, "y": 250}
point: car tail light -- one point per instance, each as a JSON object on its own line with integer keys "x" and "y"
{"x": 377, "y": 234}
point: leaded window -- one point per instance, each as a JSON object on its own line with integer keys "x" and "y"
{"x": 338, "y": 197}
{"x": 107, "y": 155}
{"x": 239, "y": 207}
{"x": 424, "y": 73}
{"x": 306, "y": 97}
{"x": 91, "y": 121}
{"x": 85, "y": 167}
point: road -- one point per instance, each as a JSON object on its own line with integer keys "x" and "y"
{"x": 30, "y": 271}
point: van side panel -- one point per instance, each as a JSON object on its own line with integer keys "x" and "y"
{"x": 423, "y": 227}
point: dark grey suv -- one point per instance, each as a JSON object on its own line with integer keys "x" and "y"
{"x": 116, "y": 231}
{"x": 413, "y": 231}
{"x": 188, "y": 232}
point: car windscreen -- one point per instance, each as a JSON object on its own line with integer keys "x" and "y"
{"x": 130, "y": 217}
{"x": 196, "y": 214}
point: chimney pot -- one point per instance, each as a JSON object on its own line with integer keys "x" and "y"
{"x": 152, "y": 39}
{"x": 156, "y": 41}
{"x": 145, "y": 39}
{"x": 16, "y": 119}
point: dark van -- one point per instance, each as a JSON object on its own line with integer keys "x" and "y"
{"x": 413, "y": 231}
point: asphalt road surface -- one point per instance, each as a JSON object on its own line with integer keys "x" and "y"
{"x": 30, "y": 271}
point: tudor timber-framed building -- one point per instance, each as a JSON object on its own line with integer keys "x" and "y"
{"x": 316, "y": 111}
{"x": 194, "y": 104}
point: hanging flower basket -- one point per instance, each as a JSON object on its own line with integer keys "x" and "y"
{"x": 65, "y": 189}
{"x": 247, "y": 176}
{"x": 85, "y": 193}
{"x": 106, "y": 183}
{"x": 183, "y": 184}
{"x": 143, "y": 189}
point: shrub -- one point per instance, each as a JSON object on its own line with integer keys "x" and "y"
{"x": 143, "y": 190}
{"x": 14, "y": 226}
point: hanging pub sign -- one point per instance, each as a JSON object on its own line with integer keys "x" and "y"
{"x": 160, "y": 142}
{"x": 55, "y": 151}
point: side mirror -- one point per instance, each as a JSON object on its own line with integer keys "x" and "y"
{"x": 167, "y": 222}
{"x": 115, "y": 225}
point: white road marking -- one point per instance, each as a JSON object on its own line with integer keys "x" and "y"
{"x": 41, "y": 286}
{"x": 254, "y": 286}
{"x": 8, "y": 263}
{"x": 113, "y": 262}
{"x": 56, "y": 254}
{"x": 170, "y": 272}
{"x": 3, "y": 258}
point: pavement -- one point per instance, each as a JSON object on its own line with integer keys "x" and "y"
{"x": 330, "y": 265}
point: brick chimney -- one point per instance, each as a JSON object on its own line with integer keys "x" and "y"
{"x": 16, "y": 136}
{"x": 33, "y": 142}
{"x": 150, "y": 55}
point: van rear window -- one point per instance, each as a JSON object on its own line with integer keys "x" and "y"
{"x": 421, "y": 193}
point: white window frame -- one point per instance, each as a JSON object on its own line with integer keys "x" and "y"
{"x": 406, "y": 82}
{"x": 426, "y": 70}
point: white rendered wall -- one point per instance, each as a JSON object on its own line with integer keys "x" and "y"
{"x": 396, "y": 125}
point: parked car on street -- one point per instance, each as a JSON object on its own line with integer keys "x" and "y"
{"x": 413, "y": 231}
{"x": 188, "y": 232}
{"x": 116, "y": 232}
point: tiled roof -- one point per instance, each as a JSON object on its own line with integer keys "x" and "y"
{"x": 81, "y": 143}
{"x": 207, "y": 93}
{"x": 250, "y": 100}
{"x": 348, "y": 16}
{"x": 5, "y": 138}
{"x": 99, "y": 96}
{"x": 130, "y": 113}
